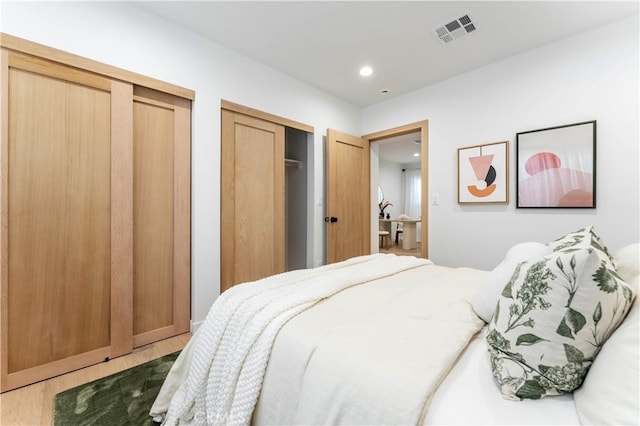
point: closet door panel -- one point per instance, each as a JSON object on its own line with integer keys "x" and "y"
{"x": 252, "y": 199}
{"x": 59, "y": 195}
{"x": 153, "y": 217}
{"x": 161, "y": 282}
{"x": 94, "y": 212}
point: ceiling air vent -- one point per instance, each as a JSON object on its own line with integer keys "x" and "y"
{"x": 455, "y": 29}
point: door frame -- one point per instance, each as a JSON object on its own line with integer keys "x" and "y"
{"x": 423, "y": 128}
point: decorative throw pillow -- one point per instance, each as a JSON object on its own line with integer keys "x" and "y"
{"x": 585, "y": 237}
{"x": 486, "y": 296}
{"x": 553, "y": 317}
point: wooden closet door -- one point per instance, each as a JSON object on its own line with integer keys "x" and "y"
{"x": 161, "y": 193}
{"x": 252, "y": 199}
{"x": 57, "y": 239}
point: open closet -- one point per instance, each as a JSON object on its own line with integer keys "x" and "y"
{"x": 265, "y": 182}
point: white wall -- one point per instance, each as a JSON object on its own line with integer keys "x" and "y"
{"x": 123, "y": 35}
{"x": 590, "y": 76}
{"x": 390, "y": 179}
{"x": 374, "y": 173}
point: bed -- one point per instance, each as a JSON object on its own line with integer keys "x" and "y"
{"x": 385, "y": 339}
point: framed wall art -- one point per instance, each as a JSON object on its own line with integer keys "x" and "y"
{"x": 556, "y": 167}
{"x": 483, "y": 174}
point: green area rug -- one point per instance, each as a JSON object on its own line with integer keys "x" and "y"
{"x": 123, "y": 398}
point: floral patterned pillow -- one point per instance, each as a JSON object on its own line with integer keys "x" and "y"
{"x": 553, "y": 317}
{"x": 582, "y": 238}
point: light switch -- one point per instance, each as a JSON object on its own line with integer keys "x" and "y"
{"x": 435, "y": 199}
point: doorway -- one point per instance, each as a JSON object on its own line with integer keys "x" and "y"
{"x": 404, "y": 215}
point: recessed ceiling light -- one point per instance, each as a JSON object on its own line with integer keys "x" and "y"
{"x": 366, "y": 71}
{"x": 416, "y": 155}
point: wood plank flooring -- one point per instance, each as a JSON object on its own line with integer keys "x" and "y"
{"x": 33, "y": 404}
{"x": 397, "y": 249}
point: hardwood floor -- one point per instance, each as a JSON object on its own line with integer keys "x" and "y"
{"x": 400, "y": 251}
{"x": 33, "y": 404}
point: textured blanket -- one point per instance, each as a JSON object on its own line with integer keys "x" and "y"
{"x": 229, "y": 354}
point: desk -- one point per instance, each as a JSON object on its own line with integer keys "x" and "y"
{"x": 408, "y": 228}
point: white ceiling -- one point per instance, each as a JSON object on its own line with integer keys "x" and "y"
{"x": 325, "y": 43}
{"x": 400, "y": 149}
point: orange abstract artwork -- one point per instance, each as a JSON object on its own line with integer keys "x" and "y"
{"x": 483, "y": 174}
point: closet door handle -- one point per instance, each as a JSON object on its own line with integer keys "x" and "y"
{"x": 331, "y": 219}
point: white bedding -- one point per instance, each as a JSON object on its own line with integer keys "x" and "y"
{"x": 470, "y": 396}
{"x": 405, "y": 348}
{"x": 228, "y": 356}
{"x": 371, "y": 354}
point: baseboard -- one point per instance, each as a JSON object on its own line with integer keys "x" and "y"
{"x": 195, "y": 326}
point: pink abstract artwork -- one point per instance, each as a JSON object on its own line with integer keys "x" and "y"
{"x": 556, "y": 169}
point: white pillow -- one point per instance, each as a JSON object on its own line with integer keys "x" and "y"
{"x": 627, "y": 261}
{"x": 486, "y": 297}
{"x": 609, "y": 393}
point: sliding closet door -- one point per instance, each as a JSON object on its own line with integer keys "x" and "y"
{"x": 161, "y": 193}
{"x": 58, "y": 244}
{"x": 252, "y": 199}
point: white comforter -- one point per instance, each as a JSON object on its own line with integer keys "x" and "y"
{"x": 373, "y": 354}
{"x": 228, "y": 356}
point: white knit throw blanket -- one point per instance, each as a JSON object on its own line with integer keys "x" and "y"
{"x": 231, "y": 354}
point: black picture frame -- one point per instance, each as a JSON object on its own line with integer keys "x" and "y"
{"x": 556, "y": 167}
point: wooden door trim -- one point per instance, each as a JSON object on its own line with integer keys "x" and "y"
{"x": 154, "y": 335}
{"x": 4, "y": 216}
{"x": 121, "y": 218}
{"x": 241, "y": 109}
{"x": 423, "y": 128}
{"x": 182, "y": 217}
{"x": 49, "y": 68}
{"x": 35, "y": 49}
{"x": 227, "y": 198}
{"x": 54, "y": 368}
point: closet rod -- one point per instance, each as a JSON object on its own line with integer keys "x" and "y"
{"x": 292, "y": 163}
